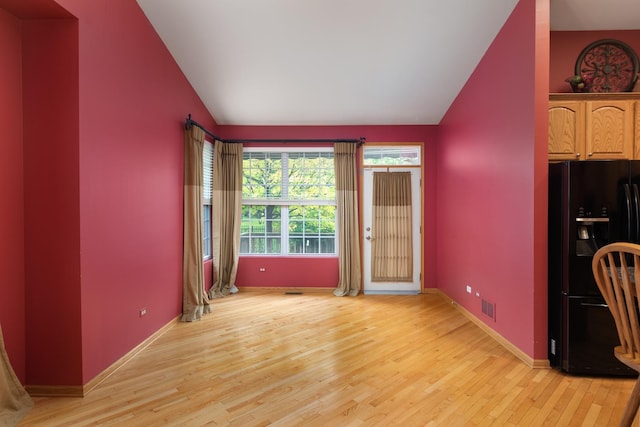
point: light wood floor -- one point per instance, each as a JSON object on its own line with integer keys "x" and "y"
{"x": 319, "y": 360}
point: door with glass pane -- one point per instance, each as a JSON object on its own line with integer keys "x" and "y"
{"x": 391, "y": 235}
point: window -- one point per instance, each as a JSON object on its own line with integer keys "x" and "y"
{"x": 392, "y": 156}
{"x": 207, "y": 187}
{"x": 289, "y": 202}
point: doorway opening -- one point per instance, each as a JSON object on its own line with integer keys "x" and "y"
{"x": 392, "y": 219}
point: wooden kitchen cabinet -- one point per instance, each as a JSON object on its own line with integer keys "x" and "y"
{"x": 594, "y": 126}
{"x": 566, "y": 130}
{"x": 609, "y": 129}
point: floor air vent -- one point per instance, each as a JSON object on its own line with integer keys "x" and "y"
{"x": 489, "y": 309}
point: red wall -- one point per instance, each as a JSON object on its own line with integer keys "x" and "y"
{"x": 104, "y": 108}
{"x": 488, "y": 170}
{"x": 567, "y": 45}
{"x": 12, "y": 282}
{"x": 52, "y": 238}
{"x": 323, "y": 272}
{"x": 133, "y": 103}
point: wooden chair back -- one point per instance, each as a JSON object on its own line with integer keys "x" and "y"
{"x": 616, "y": 270}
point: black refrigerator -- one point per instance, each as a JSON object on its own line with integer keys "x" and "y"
{"x": 591, "y": 203}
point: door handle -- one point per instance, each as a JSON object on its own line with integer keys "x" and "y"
{"x": 627, "y": 202}
{"x": 636, "y": 206}
{"x": 368, "y": 237}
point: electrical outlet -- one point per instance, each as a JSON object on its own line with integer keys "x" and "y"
{"x": 143, "y": 312}
{"x": 262, "y": 269}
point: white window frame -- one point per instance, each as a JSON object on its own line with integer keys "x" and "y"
{"x": 285, "y": 203}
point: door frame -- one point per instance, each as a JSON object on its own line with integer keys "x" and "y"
{"x": 361, "y": 169}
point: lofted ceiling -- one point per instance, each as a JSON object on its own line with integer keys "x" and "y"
{"x": 345, "y": 62}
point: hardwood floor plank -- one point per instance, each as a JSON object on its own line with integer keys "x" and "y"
{"x": 267, "y": 359}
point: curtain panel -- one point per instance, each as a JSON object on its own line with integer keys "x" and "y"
{"x": 226, "y": 216}
{"x": 349, "y": 278}
{"x": 392, "y": 242}
{"x": 195, "y": 302}
{"x": 14, "y": 400}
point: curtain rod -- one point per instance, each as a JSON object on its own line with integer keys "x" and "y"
{"x": 190, "y": 122}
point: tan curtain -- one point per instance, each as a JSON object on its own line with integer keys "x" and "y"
{"x": 391, "y": 239}
{"x": 226, "y": 216}
{"x": 194, "y": 298}
{"x": 347, "y": 217}
{"x": 14, "y": 400}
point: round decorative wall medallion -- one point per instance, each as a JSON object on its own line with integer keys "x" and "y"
{"x": 608, "y": 65}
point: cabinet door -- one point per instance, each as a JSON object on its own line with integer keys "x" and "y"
{"x": 566, "y": 130}
{"x": 609, "y": 129}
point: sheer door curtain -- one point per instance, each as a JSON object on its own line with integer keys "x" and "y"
{"x": 392, "y": 241}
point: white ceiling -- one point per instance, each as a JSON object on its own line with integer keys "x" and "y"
{"x": 344, "y": 62}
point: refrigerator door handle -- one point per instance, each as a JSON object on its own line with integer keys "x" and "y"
{"x": 636, "y": 206}
{"x": 627, "y": 201}
{"x": 587, "y": 304}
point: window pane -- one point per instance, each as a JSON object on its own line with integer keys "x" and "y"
{"x": 273, "y": 245}
{"x": 311, "y": 176}
{"x": 312, "y": 229}
{"x": 257, "y": 245}
{"x": 260, "y": 229}
{"x": 398, "y": 156}
{"x": 206, "y": 230}
{"x": 262, "y": 175}
{"x": 207, "y": 171}
{"x": 328, "y": 245}
{"x": 244, "y": 244}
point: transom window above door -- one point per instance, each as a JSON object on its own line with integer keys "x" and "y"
{"x": 406, "y": 155}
